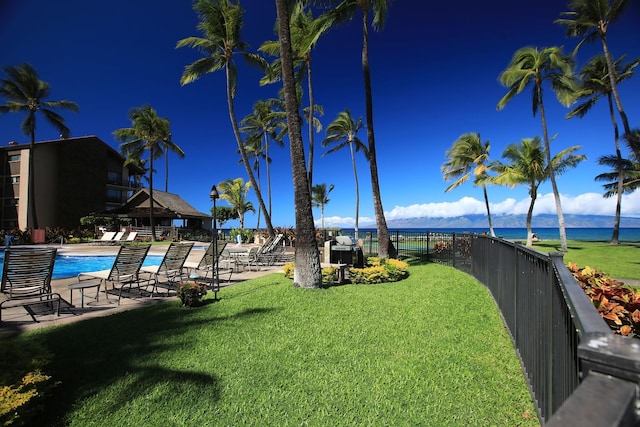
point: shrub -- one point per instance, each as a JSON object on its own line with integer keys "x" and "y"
{"x": 191, "y": 293}
{"x": 618, "y": 305}
{"x": 24, "y": 387}
{"x": 328, "y": 273}
{"x": 379, "y": 271}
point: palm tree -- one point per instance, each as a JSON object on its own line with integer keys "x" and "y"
{"x": 169, "y": 146}
{"x": 26, "y": 93}
{"x": 532, "y": 66}
{"x": 630, "y": 172}
{"x": 595, "y": 83}
{"x": 150, "y": 133}
{"x": 235, "y": 192}
{"x": 346, "y": 10}
{"x": 140, "y": 168}
{"x": 307, "y": 271}
{"x": 255, "y": 152}
{"x": 469, "y": 156}
{"x": 342, "y": 132}
{"x": 263, "y": 124}
{"x": 220, "y": 23}
{"x": 320, "y": 197}
{"x": 528, "y": 166}
{"x": 305, "y": 33}
{"x": 590, "y": 19}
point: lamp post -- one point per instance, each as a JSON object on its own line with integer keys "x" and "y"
{"x": 215, "y": 278}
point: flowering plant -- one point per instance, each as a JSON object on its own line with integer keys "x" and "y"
{"x": 190, "y": 293}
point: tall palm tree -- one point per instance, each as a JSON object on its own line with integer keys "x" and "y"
{"x": 530, "y": 66}
{"x": 595, "y": 83}
{"x": 320, "y": 197}
{"x": 346, "y": 10}
{"x": 255, "y": 152}
{"x": 26, "y": 93}
{"x": 264, "y": 124}
{"x": 469, "y": 156}
{"x": 630, "y": 171}
{"x": 528, "y": 166}
{"x": 307, "y": 271}
{"x": 235, "y": 192}
{"x": 305, "y": 33}
{"x": 169, "y": 146}
{"x": 590, "y": 20}
{"x": 220, "y": 24}
{"x": 149, "y": 133}
{"x": 342, "y": 132}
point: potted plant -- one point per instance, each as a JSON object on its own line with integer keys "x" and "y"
{"x": 191, "y": 293}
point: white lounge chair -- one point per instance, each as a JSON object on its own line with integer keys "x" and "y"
{"x": 106, "y": 238}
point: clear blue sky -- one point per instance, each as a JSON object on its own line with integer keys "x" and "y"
{"x": 435, "y": 69}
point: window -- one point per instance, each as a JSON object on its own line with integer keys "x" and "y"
{"x": 114, "y": 177}
{"x": 114, "y": 195}
{"x": 13, "y": 179}
{"x": 11, "y": 202}
{"x": 14, "y": 157}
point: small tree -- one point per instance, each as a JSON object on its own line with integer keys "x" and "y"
{"x": 320, "y": 197}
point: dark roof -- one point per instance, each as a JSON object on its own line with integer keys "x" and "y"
{"x": 165, "y": 205}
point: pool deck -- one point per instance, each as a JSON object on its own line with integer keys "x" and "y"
{"x": 16, "y": 319}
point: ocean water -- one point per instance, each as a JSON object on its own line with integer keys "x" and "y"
{"x": 584, "y": 234}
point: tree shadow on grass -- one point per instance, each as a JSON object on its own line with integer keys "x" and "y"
{"x": 90, "y": 356}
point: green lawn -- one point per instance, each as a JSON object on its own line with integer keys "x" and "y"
{"x": 430, "y": 350}
{"x": 620, "y": 261}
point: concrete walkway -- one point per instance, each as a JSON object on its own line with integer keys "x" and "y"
{"x": 16, "y": 319}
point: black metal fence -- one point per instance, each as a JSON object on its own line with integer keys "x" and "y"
{"x": 578, "y": 371}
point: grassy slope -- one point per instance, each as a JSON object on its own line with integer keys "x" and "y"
{"x": 430, "y": 350}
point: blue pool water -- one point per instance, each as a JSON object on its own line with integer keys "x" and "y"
{"x": 72, "y": 265}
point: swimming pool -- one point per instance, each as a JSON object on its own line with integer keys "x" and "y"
{"x": 72, "y": 265}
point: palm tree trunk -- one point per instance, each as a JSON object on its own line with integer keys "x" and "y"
{"x": 307, "y": 271}
{"x": 486, "y": 203}
{"x": 616, "y": 137}
{"x": 151, "y": 215}
{"x": 355, "y": 177}
{"x": 614, "y": 87}
{"x": 385, "y": 245}
{"x": 259, "y": 187}
{"x": 245, "y": 159}
{"x": 534, "y": 196}
{"x": 311, "y": 115}
{"x": 266, "y": 161}
{"x": 552, "y": 174}
{"x": 166, "y": 171}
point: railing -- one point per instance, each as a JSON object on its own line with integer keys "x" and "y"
{"x": 578, "y": 371}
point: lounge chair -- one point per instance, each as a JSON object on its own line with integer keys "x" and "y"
{"x": 249, "y": 258}
{"x": 117, "y": 238}
{"x": 125, "y": 271}
{"x": 26, "y": 281}
{"x": 206, "y": 264}
{"x": 268, "y": 254}
{"x": 106, "y": 238}
{"x": 169, "y": 273}
{"x": 131, "y": 237}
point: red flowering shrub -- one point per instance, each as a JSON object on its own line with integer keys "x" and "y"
{"x": 618, "y": 304}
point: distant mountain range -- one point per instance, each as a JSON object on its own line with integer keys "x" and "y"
{"x": 513, "y": 221}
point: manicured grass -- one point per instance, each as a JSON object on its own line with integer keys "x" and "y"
{"x": 620, "y": 261}
{"x": 430, "y": 350}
